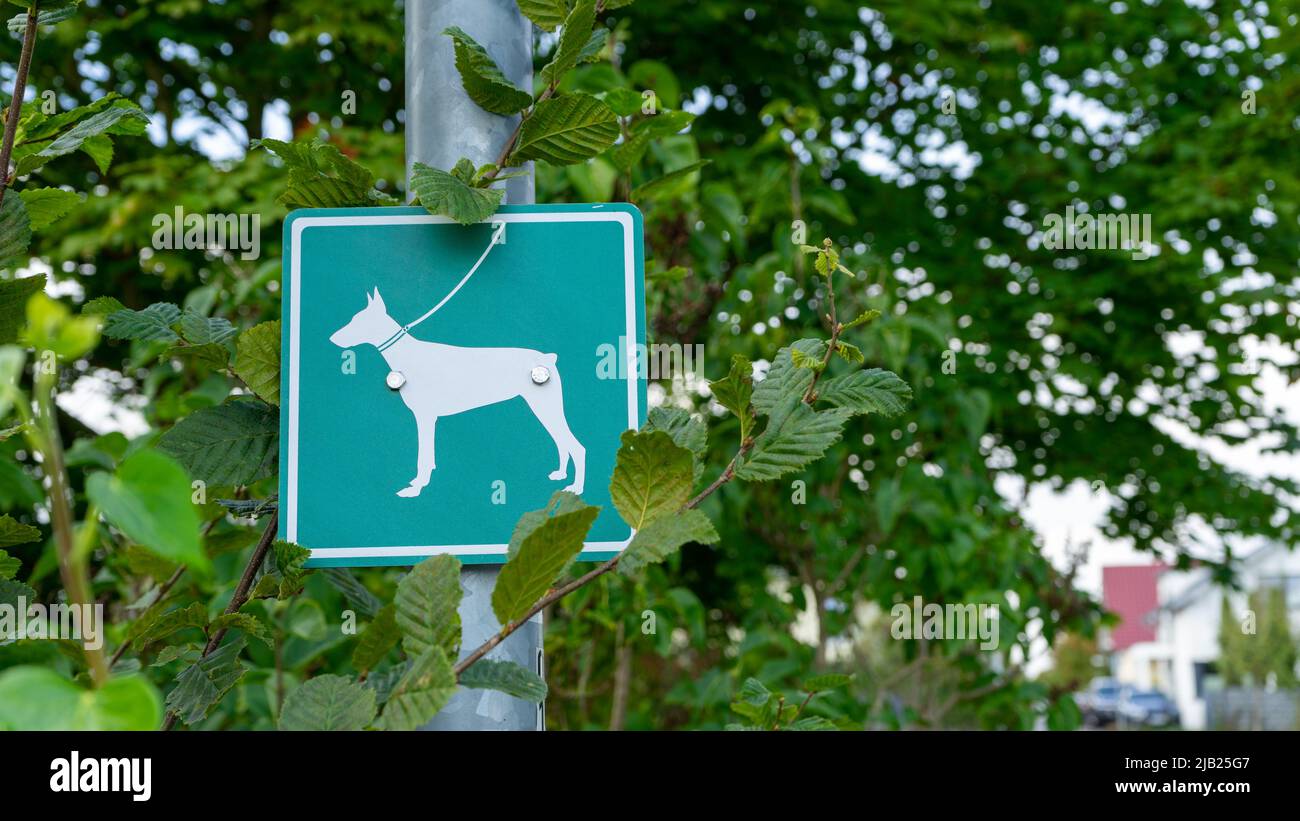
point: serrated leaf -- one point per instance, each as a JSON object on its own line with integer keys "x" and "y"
{"x": 14, "y": 532}
{"x": 574, "y": 38}
{"x": 867, "y": 391}
{"x": 203, "y": 330}
{"x": 202, "y": 685}
{"x": 148, "y": 499}
{"x": 117, "y": 118}
{"x": 423, "y": 690}
{"x": 102, "y": 306}
{"x": 784, "y": 381}
{"x": 163, "y": 625}
{"x": 624, "y": 101}
{"x": 231, "y": 444}
{"x": 320, "y": 176}
{"x": 663, "y": 124}
{"x": 375, "y": 642}
{"x": 153, "y": 323}
{"x": 864, "y": 317}
{"x": 813, "y": 359}
{"x": 15, "y": 232}
{"x": 247, "y": 623}
{"x": 18, "y": 23}
{"x": 328, "y": 702}
{"x": 562, "y": 501}
{"x": 801, "y": 438}
{"x": 358, "y": 597}
{"x": 849, "y": 353}
{"x": 483, "y": 79}
{"x": 427, "y": 606}
{"x": 257, "y": 360}
{"x": 213, "y": 355}
{"x": 566, "y": 130}
{"x": 753, "y": 693}
{"x": 652, "y": 477}
{"x": 813, "y": 724}
{"x": 46, "y": 205}
{"x": 14, "y": 294}
{"x": 545, "y": 14}
{"x": 687, "y": 431}
{"x": 735, "y": 391}
{"x": 663, "y": 537}
{"x": 504, "y": 677}
{"x": 9, "y": 566}
{"x": 16, "y": 595}
{"x": 542, "y": 556}
{"x": 446, "y": 195}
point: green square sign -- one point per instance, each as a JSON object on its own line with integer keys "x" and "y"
{"x": 405, "y": 433}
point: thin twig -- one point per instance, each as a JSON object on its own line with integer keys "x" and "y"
{"x": 20, "y": 88}
{"x": 240, "y": 596}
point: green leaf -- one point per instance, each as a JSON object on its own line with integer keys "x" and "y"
{"x": 663, "y": 124}
{"x": 868, "y": 391}
{"x": 37, "y": 698}
{"x": 542, "y": 556}
{"x": 446, "y": 195}
{"x": 15, "y": 232}
{"x": 231, "y": 444}
{"x": 482, "y": 78}
{"x": 687, "y": 431}
{"x": 801, "y": 438}
{"x": 734, "y": 392}
{"x": 148, "y": 499}
{"x": 862, "y": 318}
{"x": 566, "y": 130}
{"x": 121, "y": 117}
{"x": 784, "y": 381}
{"x": 257, "y": 360}
{"x": 152, "y": 323}
{"x": 753, "y": 692}
{"x": 14, "y": 294}
{"x": 202, "y": 685}
{"x": 56, "y": 14}
{"x": 16, "y": 595}
{"x": 329, "y": 703}
{"x": 375, "y": 642}
{"x": 658, "y": 185}
{"x": 46, "y": 205}
{"x": 320, "y": 176}
{"x": 211, "y": 355}
{"x": 812, "y": 359}
{"x": 663, "y": 537}
{"x": 246, "y": 623}
{"x": 427, "y": 603}
{"x": 562, "y": 501}
{"x": 624, "y": 101}
{"x": 422, "y": 691}
{"x": 285, "y": 564}
{"x": 826, "y": 681}
{"x": 9, "y": 566}
{"x": 162, "y": 626}
{"x": 202, "y": 330}
{"x": 504, "y": 677}
{"x": 849, "y": 353}
{"x": 545, "y": 14}
{"x": 102, "y": 306}
{"x": 52, "y": 327}
{"x": 574, "y": 38}
{"x": 653, "y": 477}
{"x": 358, "y": 597}
{"x": 14, "y": 532}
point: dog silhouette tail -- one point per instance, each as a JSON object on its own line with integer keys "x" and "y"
{"x": 548, "y": 358}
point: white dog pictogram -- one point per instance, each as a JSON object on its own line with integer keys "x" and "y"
{"x": 441, "y": 380}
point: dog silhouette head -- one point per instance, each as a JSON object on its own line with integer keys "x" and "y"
{"x": 371, "y": 325}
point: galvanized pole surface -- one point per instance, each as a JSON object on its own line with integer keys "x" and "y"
{"x": 443, "y": 125}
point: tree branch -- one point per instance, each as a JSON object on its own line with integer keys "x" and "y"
{"x": 20, "y": 89}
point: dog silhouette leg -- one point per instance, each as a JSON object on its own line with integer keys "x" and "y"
{"x": 424, "y": 460}
{"x": 548, "y": 406}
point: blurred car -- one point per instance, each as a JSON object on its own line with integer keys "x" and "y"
{"x": 1100, "y": 702}
{"x": 1147, "y": 708}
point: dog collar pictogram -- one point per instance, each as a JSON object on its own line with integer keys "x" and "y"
{"x": 498, "y": 231}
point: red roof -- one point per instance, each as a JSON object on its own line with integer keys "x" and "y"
{"x": 1130, "y": 592}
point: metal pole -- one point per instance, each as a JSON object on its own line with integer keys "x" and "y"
{"x": 443, "y": 125}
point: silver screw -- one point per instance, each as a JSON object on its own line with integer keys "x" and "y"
{"x": 395, "y": 380}
{"x": 540, "y": 375}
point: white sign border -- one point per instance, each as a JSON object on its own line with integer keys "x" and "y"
{"x": 289, "y": 505}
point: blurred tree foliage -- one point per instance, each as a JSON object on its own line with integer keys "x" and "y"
{"x": 929, "y": 139}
